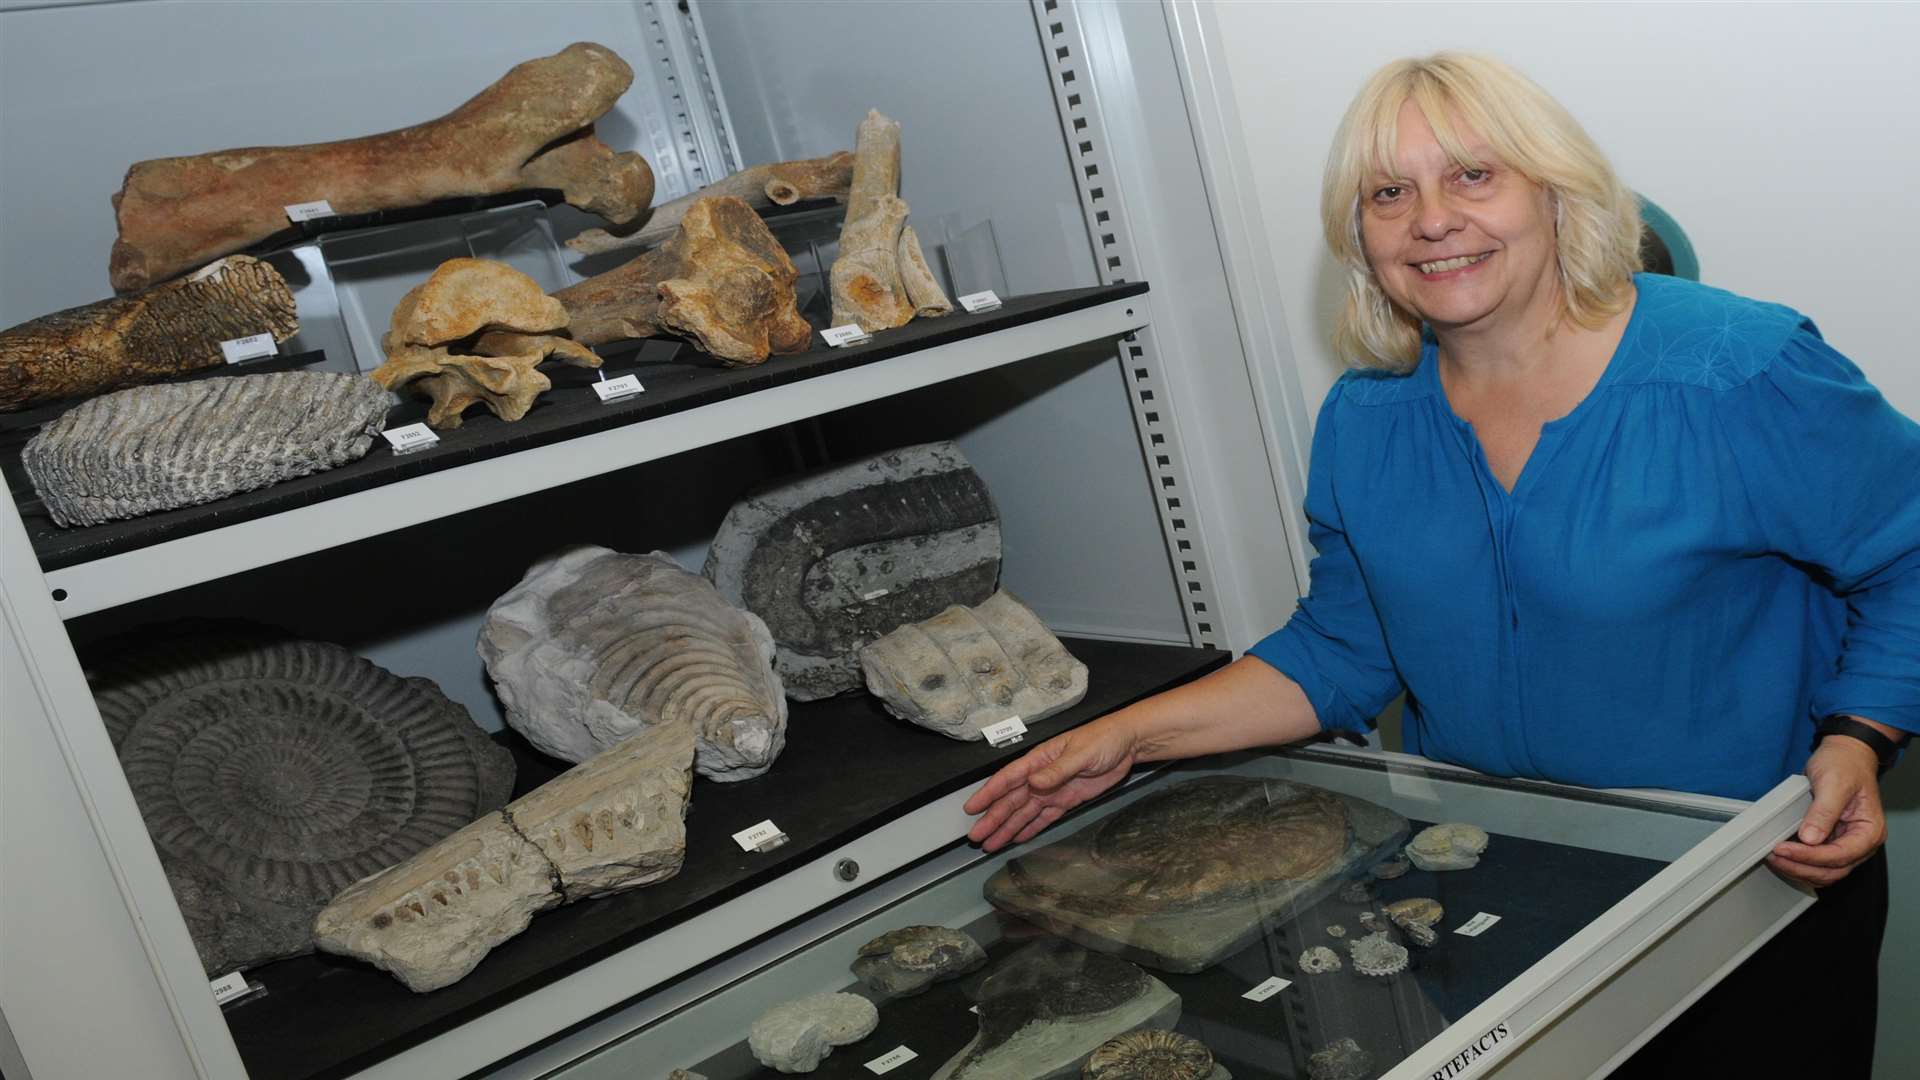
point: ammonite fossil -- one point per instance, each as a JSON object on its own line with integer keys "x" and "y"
{"x": 1150, "y": 1054}
{"x": 1420, "y": 909}
{"x": 273, "y": 773}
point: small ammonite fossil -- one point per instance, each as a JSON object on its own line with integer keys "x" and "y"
{"x": 1319, "y": 960}
{"x": 1150, "y": 1054}
{"x": 1378, "y": 955}
{"x": 1421, "y": 909}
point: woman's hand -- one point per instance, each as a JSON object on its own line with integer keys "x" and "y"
{"x": 1845, "y": 825}
{"x": 1031, "y": 792}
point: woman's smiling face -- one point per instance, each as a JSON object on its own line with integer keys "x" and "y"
{"x": 1459, "y": 247}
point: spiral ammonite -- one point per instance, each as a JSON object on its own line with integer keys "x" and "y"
{"x": 1150, "y": 1054}
{"x": 273, "y": 772}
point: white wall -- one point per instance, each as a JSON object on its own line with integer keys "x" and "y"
{"x": 1780, "y": 137}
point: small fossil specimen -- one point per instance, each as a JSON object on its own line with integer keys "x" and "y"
{"x": 906, "y": 961}
{"x": 796, "y": 1036}
{"x": 777, "y": 183}
{"x": 153, "y": 448}
{"x": 1420, "y": 909}
{"x": 1388, "y": 869}
{"x": 1150, "y": 1054}
{"x": 1356, "y": 892}
{"x": 1448, "y": 846}
{"x": 968, "y": 668}
{"x": 880, "y": 279}
{"x": 1418, "y": 933}
{"x": 1335, "y": 930}
{"x": 593, "y": 646}
{"x": 1368, "y": 920}
{"x": 1341, "y": 1059}
{"x": 1319, "y": 960}
{"x": 1378, "y": 955}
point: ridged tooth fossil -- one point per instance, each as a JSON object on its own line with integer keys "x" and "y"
{"x": 593, "y": 646}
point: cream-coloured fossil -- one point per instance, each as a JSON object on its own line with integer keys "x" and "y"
{"x": 1150, "y": 1054}
{"x": 1450, "y": 845}
{"x": 880, "y": 279}
{"x": 776, "y": 183}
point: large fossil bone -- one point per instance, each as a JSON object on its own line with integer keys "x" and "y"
{"x": 531, "y": 129}
{"x": 614, "y": 822}
{"x": 880, "y": 279}
{"x": 167, "y": 330}
{"x": 776, "y": 183}
{"x": 723, "y": 280}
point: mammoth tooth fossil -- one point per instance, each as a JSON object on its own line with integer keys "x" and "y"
{"x": 593, "y": 646}
{"x": 272, "y": 773}
{"x": 836, "y": 558}
{"x": 152, "y": 448}
{"x": 1150, "y": 1054}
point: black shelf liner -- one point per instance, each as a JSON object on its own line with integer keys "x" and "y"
{"x": 848, "y": 768}
{"x": 673, "y": 384}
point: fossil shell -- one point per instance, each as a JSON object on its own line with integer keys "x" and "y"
{"x": 1378, "y": 955}
{"x": 154, "y": 448}
{"x": 593, "y": 646}
{"x": 795, "y": 1036}
{"x": 1388, "y": 869}
{"x": 272, "y": 773}
{"x": 1420, "y": 909}
{"x": 1319, "y": 960}
{"x": 1150, "y": 1054}
{"x": 1448, "y": 846}
{"x": 906, "y": 961}
{"x": 1341, "y": 1059}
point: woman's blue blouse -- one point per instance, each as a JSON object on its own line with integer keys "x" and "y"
{"x": 1717, "y": 547}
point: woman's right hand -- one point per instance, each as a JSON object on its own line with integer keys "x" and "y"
{"x": 1031, "y": 792}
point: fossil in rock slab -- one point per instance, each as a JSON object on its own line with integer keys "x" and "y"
{"x": 153, "y": 448}
{"x": 1378, "y": 955}
{"x": 968, "y": 668}
{"x": 1047, "y": 1007}
{"x": 1341, "y": 1059}
{"x": 531, "y": 129}
{"x": 1419, "y": 909}
{"x": 1319, "y": 960}
{"x": 795, "y": 1036}
{"x": 614, "y": 822}
{"x": 777, "y": 183}
{"x": 1186, "y": 875}
{"x": 593, "y": 646}
{"x": 880, "y": 279}
{"x": 168, "y": 330}
{"x": 1150, "y": 1054}
{"x": 721, "y": 281}
{"x": 273, "y": 772}
{"x": 834, "y": 559}
{"x": 906, "y": 961}
{"x": 1448, "y": 846}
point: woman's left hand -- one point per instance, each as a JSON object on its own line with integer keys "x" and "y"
{"x": 1845, "y": 825}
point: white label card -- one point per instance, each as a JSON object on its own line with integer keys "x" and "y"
{"x": 1477, "y": 925}
{"x": 841, "y": 336}
{"x": 760, "y": 837}
{"x": 309, "y": 211}
{"x": 251, "y": 347}
{"x": 412, "y": 437}
{"x": 614, "y": 389}
{"x": 983, "y": 300}
{"x": 1005, "y": 733}
{"x": 228, "y": 986}
{"x": 1267, "y": 989}
{"x": 891, "y": 1060}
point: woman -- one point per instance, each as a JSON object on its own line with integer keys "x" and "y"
{"x": 1601, "y": 527}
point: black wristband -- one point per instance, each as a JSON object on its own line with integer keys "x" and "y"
{"x": 1883, "y": 748}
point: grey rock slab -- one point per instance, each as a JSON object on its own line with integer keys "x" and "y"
{"x": 836, "y": 558}
{"x": 968, "y": 668}
{"x": 906, "y": 961}
{"x": 794, "y": 1037}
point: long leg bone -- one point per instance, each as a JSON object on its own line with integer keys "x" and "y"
{"x": 778, "y": 183}
{"x": 869, "y": 287}
{"x": 531, "y": 129}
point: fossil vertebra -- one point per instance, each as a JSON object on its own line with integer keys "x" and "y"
{"x": 968, "y": 668}
{"x": 593, "y": 645}
{"x": 906, "y": 961}
{"x": 1448, "y": 846}
{"x": 794, "y": 1037}
{"x": 273, "y": 772}
{"x": 1319, "y": 960}
{"x": 1378, "y": 955}
{"x": 1150, "y": 1054}
{"x": 154, "y": 448}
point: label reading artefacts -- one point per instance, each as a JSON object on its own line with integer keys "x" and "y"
{"x": 1267, "y": 989}
{"x": 891, "y": 1060}
{"x": 308, "y": 211}
{"x": 1005, "y": 733}
{"x": 842, "y": 336}
{"x": 978, "y": 302}
{"x": 413, "y": 437}
{"x": 251, "y": 347}
{"x": 762, "y": 837}
{"x": 1477, "y": 925}
{"x": 228, "y": 986}
{"x": 615, "y": 389}
{"x": 1469, "y": 1059}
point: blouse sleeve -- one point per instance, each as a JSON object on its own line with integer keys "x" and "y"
{"x": 1332, "y": 645}
{"x": 1832, "y": 474}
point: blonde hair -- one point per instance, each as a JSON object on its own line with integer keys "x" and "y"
{"x": 1597, "y": 218}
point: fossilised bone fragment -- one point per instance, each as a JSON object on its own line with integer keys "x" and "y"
{"x": 880, "y": 278}
{"x": 1151, "y": 1054}
{"x": 464, "y": 297}
{"x": 1193, "y": 872}
{"x": 167, "y": 330}
{"x": 906, "y": 961}
{"x": 506, "y": 385}
{"x": 272, "y": 773}
{"x": 923, "y": 289}
{"x": 778, "y": 183}
{"x": 722, "y": 280}
{"x": 153, "y": 448}
{"x": 593, "y": 646}
{"x": 967, "y": 668}
{"x": 177, "y": 213}
{"x": 836, "y": 558}
{"x": 796, "y": 1036}
{"x": 1448, "y": 846}
{"x": 612, "y": 823}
